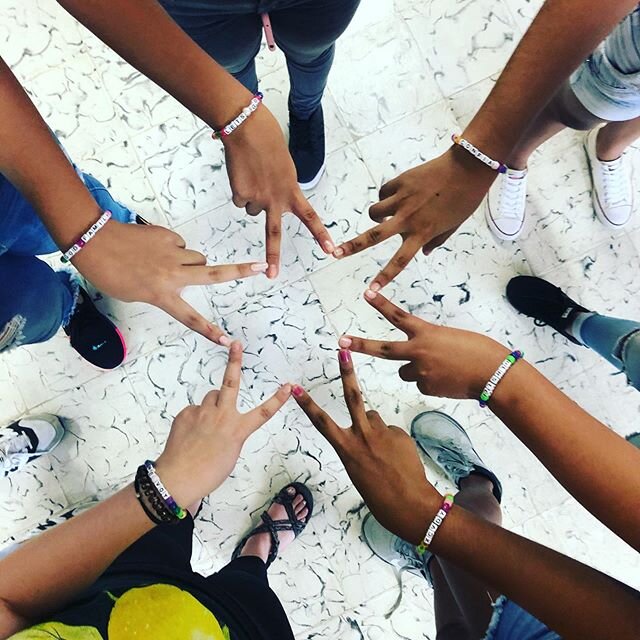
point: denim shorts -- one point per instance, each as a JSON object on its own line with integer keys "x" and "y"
{"x": 608, "y": 83}
{"x": 512, "y": 622}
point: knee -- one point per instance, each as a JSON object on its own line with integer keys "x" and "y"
{"x": 476, "y": 496}
{"x": 568, "y": 110}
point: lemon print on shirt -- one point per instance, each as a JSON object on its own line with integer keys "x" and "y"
{"x": 162, "y": 612}
{"x": 58, "y": 631}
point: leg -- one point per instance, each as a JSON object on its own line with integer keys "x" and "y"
{"x": 307, "y": 33}
{"x": 230, "y": 36}
{"x": 615, "y": 137}
{"x": 34, "y": 300}
{"x": 450, "y": 621}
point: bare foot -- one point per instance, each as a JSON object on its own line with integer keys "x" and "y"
{"x": 260, "y": 544}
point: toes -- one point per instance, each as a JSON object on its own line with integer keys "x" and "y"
{"x": 291, "y": 491}
{"x": 302, "y": 515}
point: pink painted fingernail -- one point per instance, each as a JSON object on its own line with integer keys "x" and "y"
{"x": 375, "y": 287}
{"x": 225, "y": 341}
{"x": 369, "y": 294}
{"x": 260, "y": 267}
{"x": 297, "y": 390}
{"x": 272, "y": 271}
{"x": 329, "y": 247}
{"x": 345, "y": 342}
{"x": 338, "y": 253}
{"x": 345, "y": 356}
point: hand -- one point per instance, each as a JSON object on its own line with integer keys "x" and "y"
{"x": 425, "y": 205}
{"x": 382, "y": 461}
{"x": 445, "y": 362}
{"x": 151, "y": 264}
{"x": 263, "y": 178}
{"x": 205, "y": 440}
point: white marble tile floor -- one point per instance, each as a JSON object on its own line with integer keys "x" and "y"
{"x": 406, "y": 75}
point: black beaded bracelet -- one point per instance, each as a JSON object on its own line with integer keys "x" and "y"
{"x": 150, "y": 499}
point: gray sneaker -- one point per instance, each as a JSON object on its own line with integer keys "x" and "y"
{"x": 443, "y": 440}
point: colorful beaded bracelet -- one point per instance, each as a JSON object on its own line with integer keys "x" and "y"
{"x": 172, "y": 505}
{"x": 85, "y": 237}
{"x": 507, "y": 363}
{"x": 228, "y": 129}
{"x": 435, "y": 524}
{"x": 500, "y": 167}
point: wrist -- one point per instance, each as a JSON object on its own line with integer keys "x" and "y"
{"x": 237, "y": 97}
{"x": 177, "y": 481}
{"x": 423, "y": 512}
{"x": 475, "y": 170}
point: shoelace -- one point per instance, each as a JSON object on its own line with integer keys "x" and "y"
{"x": 9, "y": 448}
{"x": 451, "y": 459}
{"x": 614, "y": 182}
{"x": 407, "y": 552}
{"x": 511, "y": 191}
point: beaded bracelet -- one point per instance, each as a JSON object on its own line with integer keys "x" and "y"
{"x": 85, "y": 237}
{"x": 500, "y": 167}
{"x": 507, "y": 363}
{"x": 435, "y": 524}
{"x": 150, "y": 499}
{"x": 228, "y": 129}
{"x": 173, "y": 506}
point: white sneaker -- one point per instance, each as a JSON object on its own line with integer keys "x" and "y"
{"x": 27, "y": 439}
{"x": 506, "y": 203}
{"x": 612, "y": 186}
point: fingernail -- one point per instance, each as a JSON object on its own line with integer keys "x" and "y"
{"x": 297, "y": 390}
{"x": 225, "y": 341}
{"x": 375, "y": 287}
{"x": 259, "y": 267}
{"x": 338, "y": 253}
{"x": 236, "y": 346}
{"x": 329, "y": 247}
{"x": 369, "y": 294}
{"x": 345, "y": 356}
{"x": 272, "y": 271}
{"x": 345, "y": 342}
{"x": 287, "y": 389}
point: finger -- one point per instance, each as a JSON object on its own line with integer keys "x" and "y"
{"x": 189, "y": 317}
{"x": 239, "y": 201}
{"x": 408, "y": 372}
{"x": 438, "y": 241}
{"x": 253, "y": 209}
{"x": 274, "y": 237}
{"x": 398, "y": 317}
{"x": 377, "y": 348}
{"x": 211, "y": 399}
{"x": 189, "y": 257}
{"x": 352, "y": 393}
{"x": 388, "y": 189}
{"x": 321, "y": 420}
{"x": 264, "y": 412}
{"x": 370, "y": 238}
{"x": 384, "y": 209}
{"x": 202, "y": 275}
{"x": 400, "y": 260}
{"x": 231, "y": 379}
{"x": 307, "y": 214}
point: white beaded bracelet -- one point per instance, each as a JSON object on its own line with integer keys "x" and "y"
{"x": 85, "y": 237}
{"x": 490, "y": 387}
{"x": 228, "y": 129}
{"x": 483, "y": 157}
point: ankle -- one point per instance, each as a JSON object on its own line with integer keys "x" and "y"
{"x": 608, "y": 150}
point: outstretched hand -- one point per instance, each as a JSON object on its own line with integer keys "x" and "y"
{"x": 382, "y": 461}
{"x": 424, "y": 205}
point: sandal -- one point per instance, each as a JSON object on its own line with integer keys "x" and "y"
{"x": 271, "y": 526}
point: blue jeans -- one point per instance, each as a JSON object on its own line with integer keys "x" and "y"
{"x": 305, "y": 30}
{"x": 35, "y": 300}
{"x": 615, "y": 339}
{"x": 512, "y": 622}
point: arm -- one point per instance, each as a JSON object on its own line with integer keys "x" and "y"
{"x": 45, "y": 574}
{"x": 260, "y": 168}
{"x": 599, "y": 468}
{"x": 544, "y": 582}
{"x": 429, "y": 202}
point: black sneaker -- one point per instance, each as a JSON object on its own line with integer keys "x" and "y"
{"x": 94, "y": 336}
{"x": 306, "y": 146}
{"x": 544, "y": 302}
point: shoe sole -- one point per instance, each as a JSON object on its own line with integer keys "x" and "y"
{"x": 496, "y": 231}
{"x": 597, "y": 207}
{"x": 307, "y": 186}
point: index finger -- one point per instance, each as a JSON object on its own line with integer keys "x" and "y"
{"x": 231, "y": 379}
{"x": 274, "y": 236}
{"x": 352, "y": 393}
{"x": 307, "y": 214}
{"x": 395, "y": 315}
{"x": 189, "y": 317}
{"x": 320, "y": 419}
{"x": 370, "y": 238}
{"x": 378, "y": 348}
{"x": 398, "y": 262}
{"x": 208, "y": 274}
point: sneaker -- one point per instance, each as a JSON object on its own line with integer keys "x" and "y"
{"x": 544, "y": 302}
{"x": 27, "y": 439}
{"x": 306, "y": 146}
{"x": 506, "y": 203}
{"x": 447, "y": 444}
{"x": 612, "y": 191}
{"x": 94, "y": 336}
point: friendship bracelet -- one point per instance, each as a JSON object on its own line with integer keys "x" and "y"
{"x": 85, "y": 237}
{"x": 150, "y": 500}
{"x": 507, "y": 363}
{"x": 500, "y": 167}
{"x": 435, "y": 524}
{"x": 173, "y": 506}
{"x": 228, "y": 129}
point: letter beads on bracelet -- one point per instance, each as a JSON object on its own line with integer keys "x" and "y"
{"x": 172, "y": 505}
{"x": 436, "y": 522}
{"x": 85, "y": 237}
{"x": 228, "y": 129}
{"x": 507, "y": 363}
{"x": 500, "y": 167}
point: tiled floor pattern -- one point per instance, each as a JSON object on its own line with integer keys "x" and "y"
{"x": 401, "y": 84}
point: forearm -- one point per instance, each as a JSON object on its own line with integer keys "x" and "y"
{"x": 146, "y": 37}
{"x": 593, "y": 463}
{"x": 563, "y": 34}
{"x": 44, "y": 574}
{"x": 542, "y": 581}
{"x": 33, "y": 162}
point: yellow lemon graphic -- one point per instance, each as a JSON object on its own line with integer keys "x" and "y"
{"x": 58, "y": 631}
{"x": 162, "y": 612}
